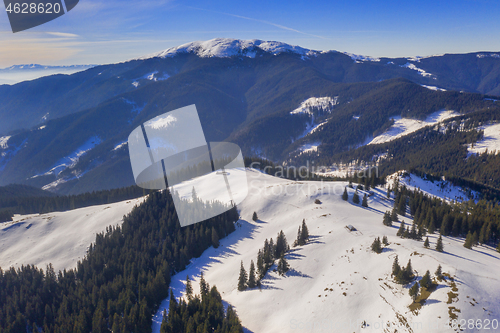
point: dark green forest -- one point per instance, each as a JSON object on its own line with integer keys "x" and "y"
{"x": 23, "y": 199}
{"x": 121, "y": 281}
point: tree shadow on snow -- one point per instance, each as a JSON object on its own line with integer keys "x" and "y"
{"x": 314, "y": 240}
{"x": 226, "y": 305}
{"x": 294, "y": 272}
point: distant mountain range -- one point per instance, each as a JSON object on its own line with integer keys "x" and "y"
{"x": 18, "y": 73}
{"x": 68, "y": 133}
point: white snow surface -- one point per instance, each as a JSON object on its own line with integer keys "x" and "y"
{"x": 71, "y": 160}
{"x": 360, "y": 58}
{"x": 228, "y": 47}
{"x": 433, "y": 88}
{"x": 335, "y": 281}
{"x": 309, "y": 147}
{"x": 490, "y": 141}
{"x": 441, "y": 189}
{"x": 120, "y": 145}
{"x": 60, "y": 238}
{"x": 319, "y": 102}
{"x": 486, "y": 55}
{"x": 405, "y": 126}
{"x": 3, "y": 142}
{"x": 415, "y": 68}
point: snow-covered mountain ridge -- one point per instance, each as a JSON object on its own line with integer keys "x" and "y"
{"x": 228, "y": 47}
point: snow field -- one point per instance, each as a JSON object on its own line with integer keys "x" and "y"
{"x": 60, "y": 238}
{"x": 490, "y": 142}
{"x": 405, "y": 126}
{"x": 310, "y": 298}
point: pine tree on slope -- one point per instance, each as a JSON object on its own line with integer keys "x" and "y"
{"x": 439, "y": 244}
{"x": 414, "y": 291}
{"x": 426, "y": 243}
{"x": 251, "y": 276}
{"x": 355, "y": 197}
{"x": 364, "y": 203}
{"x": 345, "y": 196}
{"x": 242, "y": 280}
{"x": 468, "y": 241}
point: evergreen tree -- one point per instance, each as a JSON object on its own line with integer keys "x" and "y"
{"x": 215, "y": 238}
{"x": 413, "y": 232}
{"x": 345, "y": 196}
{"x": 401, "y": 230}
{"x": 498, "y": 247}
{"x": 414, "y": 291}
{"x": 426, "y": 280}
{"x": 475, "y": 238}
{"x": 426, "y": 243}
{"x": 305, "y": 231}
{"x": 432, "y": 226}
{"x": 251, "y": 276}
{"x": 204, "y": 287}
{"x": 387, "y": 219}
{"x": 421, "y": 232}
{"x": 377, "y": 246}
{"x": 439, "y": 272}
{"x": 395, "y": 267}
{"x": 468, "y": 241}
{"x": 283, "y": 266}
{"x": 297, "y": 242}
{"x": 242, "y": 279}
{"x": 189, "y": 289}
{"x": 402, "y": 206}
{"x": 272, "y": 249}
{"x": 254, "y": 216}
{"x": 385, "y": 241}
{"x": 355, "y": 197}
{"x": 394, "y": 215}
{"x": 364, "y": 203}
{"x": 281, "y": 245}
{"x": 388, "y": 192}
{"x": 409, "y": 271}
{"x": 261, "y": 270}
{"x": 439, "y": 244}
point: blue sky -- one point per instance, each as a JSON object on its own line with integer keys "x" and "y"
{"x": 107, "y": 31}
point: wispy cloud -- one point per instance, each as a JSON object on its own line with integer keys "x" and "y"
{"x": 62, "y": 34}
{"x": 261, "y": 21}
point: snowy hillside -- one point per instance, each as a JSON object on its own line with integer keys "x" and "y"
{"x": 441, "y": 189}
{"x": 490, "y": 142}
{"x": 228, "y": 47}
{"x": 405, "y": 126}
{"x": 60, "y": 238}
{"x": 336, "y": 282}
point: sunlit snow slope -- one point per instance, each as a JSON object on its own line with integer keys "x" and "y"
{"x": 60, "y": 238}
{"x": 335, "y": 281}
{"x": 405, "y": 126}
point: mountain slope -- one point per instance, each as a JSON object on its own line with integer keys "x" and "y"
{"x": 336, "y": 282}
{"x": 245, "y": 92}
{"x": 58, "y": 238}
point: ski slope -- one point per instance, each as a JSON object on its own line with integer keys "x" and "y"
{"x": 336, "y": 282}
{"x": 60, "y": 238}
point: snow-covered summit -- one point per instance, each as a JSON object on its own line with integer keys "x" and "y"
{"x": 228, "y": 47}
